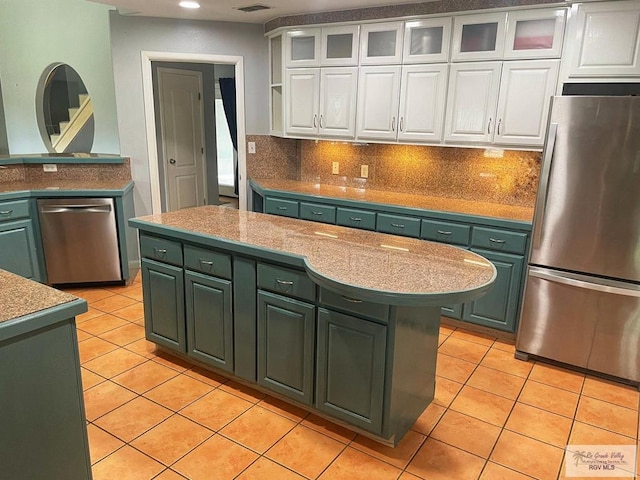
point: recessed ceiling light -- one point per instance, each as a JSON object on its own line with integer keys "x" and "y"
{"x": 187, "y": 4}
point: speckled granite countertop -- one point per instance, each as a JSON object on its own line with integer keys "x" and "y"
{"x": 373, "y": 266}
{"x": 467, "y": 207}
{"x": 20, "y": 297}
{"x": 63, "y": 184}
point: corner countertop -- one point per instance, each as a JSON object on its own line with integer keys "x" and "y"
{"x": 366, "y": 265}
{"x": 381, "y": 197}
{"x": 64, "y": 187}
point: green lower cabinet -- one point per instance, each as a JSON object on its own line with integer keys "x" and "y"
{"x": 163, "y": 293}
{"x": 351, "y": 369}
{"x": 499, "y": 307}
{"x": 453, "y": 311}
{"x": 209, "y": 319}
{"x": 286, "y": 341}
{"x": 18, "y": 249}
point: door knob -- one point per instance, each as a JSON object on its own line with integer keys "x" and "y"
{"x": 172, "y": 161}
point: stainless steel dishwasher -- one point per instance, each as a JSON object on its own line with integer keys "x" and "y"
{"x": 80, "y": 239}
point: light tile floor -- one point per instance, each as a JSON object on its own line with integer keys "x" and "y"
{"x": 154, "y": 416}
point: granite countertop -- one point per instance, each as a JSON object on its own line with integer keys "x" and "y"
{"x": 63, "y": 184}
{"x": 20, "y": 296}
{"x": 376, "y": 266}
{"x": 424, "y": 202}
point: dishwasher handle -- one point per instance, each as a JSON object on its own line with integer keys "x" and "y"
{"x": 86, "y": 208}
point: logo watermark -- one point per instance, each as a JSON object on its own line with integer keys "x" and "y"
{"x": 601, "y": 461}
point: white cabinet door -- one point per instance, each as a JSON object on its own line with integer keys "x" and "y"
{"x": 378, "y": 96}
{"x": 301, "y": 101}
{"x": 526, "y": 88}
{"x": 422, "y": 98}
{"x": 338, "y": 102}
{"x": 607, "y": 40}
{"x": 302, "y": 47}
{"x": 534, "y": 33}
{"x": 381, "y": 43}
{"x": 340, "y": 46}
{"x": 478, "y": 37}
{"x": 471, "y": 101}
{"x": 427, "y": 40}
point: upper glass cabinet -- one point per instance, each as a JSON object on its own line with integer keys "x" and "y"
{"x": 478, "y": 37}
{"x": 427, "y": 41}
{"x": 303, "y": 47}
{"x": 330, "y": 46}
{"x": 381, "y": 43}
{"x": 534, "y": 34}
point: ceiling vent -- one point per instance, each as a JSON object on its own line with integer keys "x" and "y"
{"x": 253, "y": 8}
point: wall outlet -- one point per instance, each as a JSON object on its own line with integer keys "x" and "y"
{"x": 251, "y": 147}
{"x": 364, "y": 171}
{"x": 335, "y": 168}
{"x": 50, "y": 167}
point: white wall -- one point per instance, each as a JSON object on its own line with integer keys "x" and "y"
{"x": 33, "y": 35}
{"x": 130, "y": 35}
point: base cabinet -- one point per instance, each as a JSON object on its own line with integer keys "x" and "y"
{"x": 350, "y": 369}
{"x": 18, "y": 249}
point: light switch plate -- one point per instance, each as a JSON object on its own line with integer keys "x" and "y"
{"x": 364, "y": 171}
{"x": 251, "y": 147}
{"x": 50, "y": 167}
{"x": 335, "y": 168}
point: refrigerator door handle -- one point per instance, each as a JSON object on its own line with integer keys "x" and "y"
{"x": 576, "y": 281}
{"x": 543, "y": 189}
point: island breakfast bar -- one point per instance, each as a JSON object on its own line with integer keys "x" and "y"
{"x": 340, "y": 321}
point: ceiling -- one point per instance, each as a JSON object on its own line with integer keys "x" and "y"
{"x": 226, "y": 10}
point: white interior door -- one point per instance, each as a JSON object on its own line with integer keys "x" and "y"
{"x": 182, "y": 118}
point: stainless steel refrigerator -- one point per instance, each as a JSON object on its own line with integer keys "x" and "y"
{"x": 582, "y": 293}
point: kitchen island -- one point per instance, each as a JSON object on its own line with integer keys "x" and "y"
{"x": 343, "y": 322}
{"x": 44, "y": 435}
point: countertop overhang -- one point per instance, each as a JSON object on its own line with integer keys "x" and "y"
{"x": 64, "y": 187}
{"x": 357, "y": 263}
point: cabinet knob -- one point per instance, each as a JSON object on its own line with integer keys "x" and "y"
{"x": 397, "y": 225}
{"x": 442, "y": 232}
{"x": 401, "y": 128}
{"x": 321, "y": 126}
{"x": 6, "y": 213}
{"x": 489, "y": 126}
{"x": 288, "y": 283}
{"x": 499, "y": 123}
{"x": 315, "y": 121}
{"x": 352, "y": 300}
{"x": 355, "y": 219}
{"x": 495, "y": 240}
{"x": 172, "y": 161}
{"x": 393, "y": 124}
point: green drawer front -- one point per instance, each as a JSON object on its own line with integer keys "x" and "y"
{"x": 277, "y": 206}
{"x": 14, "y": 210}
{"x": 445, "y": 232}
{"x": 317, "y": 212}
{"x": 286, "y": 281}
{"x": 206, "y": 261}
{"x": 375, "y": 311}
{"x": 161, "y": 249}
{"x": 398, "y": 225}
{"x": 356, "y": 218}
{"x": 500, "y": 240}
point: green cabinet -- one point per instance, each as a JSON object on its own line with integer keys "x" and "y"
{"x": 286, "y": 337}
{"x": 163, "y": 292}
{"x": 351, "y": 362}
{"x": 209, "y": 319}
{"x": 18, "y": 253}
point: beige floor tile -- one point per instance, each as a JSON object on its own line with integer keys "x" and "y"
{"x": 398, "y": 456}
{"x": 112, "y": 303}
{"x": 103, "y": 398}
{"x": 352, "y": 464}
{"x": 82, "y": 335}
{"x": 408, "y": 476}
{"x": 133, "y": 418}
{"x": 143, "y": 347}
{"x": 539, "y": 424}
{"x": 258, "y": 429}
{"x": 528, "y": 456}
{"x": 612, "y": 392}
{"x": 169, "y": 474}
{"x": 171, "y": 361}
{"x": 466, "y": 433}
{"x": 88, "y": 315}
{"x": 126, "y": 464}
{"x": 206, "y": 376}
{"x": 217, "y": 458}
{"x": 557, "y": 377}
{"x": 216, "y": 409}
{"x": 265, "y": 469}
{"x": 454, "y": 368}
{"x": 124, "y": 335}
{"x": 505, "y": 362}
{"x": 474, "y": 337}
{"x": 508, "y": 346}
{"x": 305, "y": 451}
{"x": 328, "y": 428}
{"x": 463, "y": 349}
{"x": 442, "y": 338}
{"x": 247, "y": 393}
{"x": 427, "y": 421}
{"x": 92, "y": 295}
{"x": 549, "y": 398}
{"x": 144, "y": 377}
{"x": 495, "y": 381}
{"x": 90, "y": 379}
{"x": 178, "y": 392}
{"x": 608, "y": 416}
{"x": 584, "y": 434}
{"x": 446, "y": 391}
{"x": 483, "y": 405}
{"x": 93, "y": 348}
{"x": 439, "y": 461}
{"x": 283, "y": 408}
{"x": 101, "y": 443}
{"x": 114, "y": 363}
{"x": 493, "y": 471}
{"x": 131, "y": 312}
{"x": 101, "y": 324}
{"x": 172, "y": 439}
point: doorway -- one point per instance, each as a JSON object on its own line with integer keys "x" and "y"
{"x": 151, "y": 119}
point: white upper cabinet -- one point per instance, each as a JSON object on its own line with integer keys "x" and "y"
{"x": 378, "y": 99}
{"x": 607, "y": 40}
{"x": 381, "y": 43}
{"x": 478, "y": 37}
{"x": 302, "y": 101}
{"x": 427, "y": 40}
{"x": 339, "y": 46}
{"x": 534, "y": 33}
{"x": 302, "y": 47}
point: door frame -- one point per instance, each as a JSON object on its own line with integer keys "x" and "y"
{"x": 149, "y": 109}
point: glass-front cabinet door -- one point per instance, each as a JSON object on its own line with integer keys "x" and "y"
{"x": 427, "y": 41}
{"x": 302, "y": 48}
{"x": 478, "y": 37}
{"x": 534, "y": 34}
{"x": 381, "y": 43}
{"x": 340, "y": 46}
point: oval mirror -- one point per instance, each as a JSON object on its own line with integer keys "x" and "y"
{"x": 65, "y": 111}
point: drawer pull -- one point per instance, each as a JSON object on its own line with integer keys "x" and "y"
{"x": 495, "y": 240}
{"x": 316, "y": 213}
{"x": 206, "y": 262}
{"x": 160, "y": 251}
{"x": 6, "y": 213}
{"x": 282, "y": 208}
{"x": 355, "y": 219}
{"x": 397, "y": 225}
{"x": 284, "y": 282}
{"x": 442, "y": 232}
{"x": 352, "y": 300}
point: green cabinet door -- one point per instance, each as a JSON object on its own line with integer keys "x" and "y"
{"x": 18, "y": 249}
{"x": 499, "y": 307}
{"x": 163, "y": 292}
{"x": 209, "y": 320}
{"x": 286, "y": 337}
{"x": 350, "y": 369}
